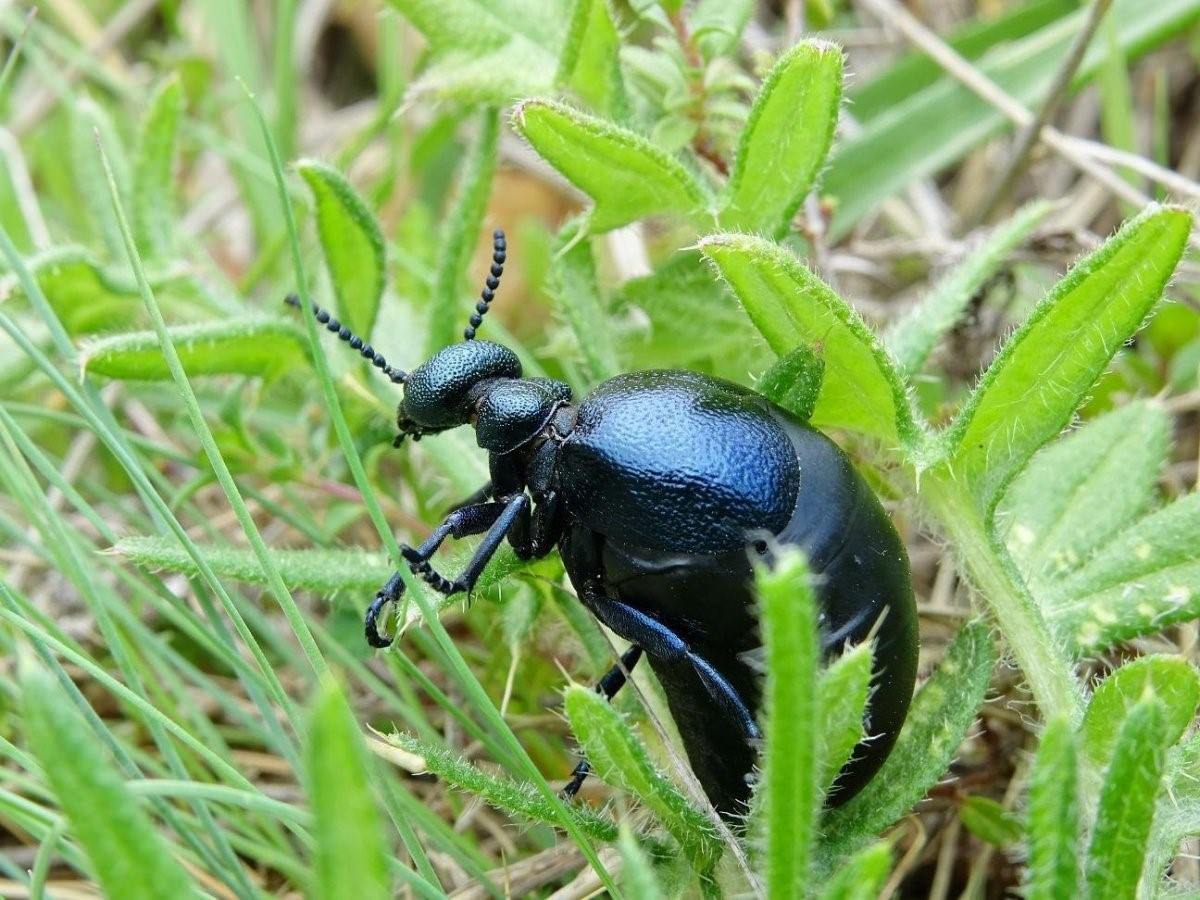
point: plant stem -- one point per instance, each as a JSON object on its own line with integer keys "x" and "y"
{"x": 998, "y": 583}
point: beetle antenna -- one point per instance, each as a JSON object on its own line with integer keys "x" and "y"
{"x": 368, "y": 352}
{"x": 488, "y": 294}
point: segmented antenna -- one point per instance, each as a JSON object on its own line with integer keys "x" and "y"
{"x": 356, "y": 343}
{"x": 488, "y": 294}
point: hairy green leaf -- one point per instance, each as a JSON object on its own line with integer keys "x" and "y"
{"x": 85, "y": 296}
{"x": 941, "y": 714}
{"x": 351, "y": 855}
{"x": 627, "y": 177}
{"x": 1052, "y": 819}
{"x": 153, "y": 186}
{"x": 1116, "y": 855}
{"x": 1030, "y": 391}
{"x": 589, "y": 63}
{"x": 1144, "y": 579}
{"x": 792, "y": 307}
{"x": 459, "y": 237}
{"x": 794, "y": 382}
{"x": 572, "y": 283}
{"x": 913, "y": 337}
{"x": 861, "y": 877}
{"x": 786, "y": 138}
{"x": 717, "y": 25}
{"x": 1082, "y": 489}
{"x": 843, "y": 692}
{"x": 989, "y": 821}
{"x": 352, "y": 244}
{"x": 638, "y": 877}
{"x": 1172, "y": 680}
{"x": 787, "y": 797}
{"x": 130, "y": 858}
{"x": 620, "y": 759}
{"x": 245, "y": 346}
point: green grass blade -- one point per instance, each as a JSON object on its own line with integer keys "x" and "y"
{"x": 788, "y": 795}
{"x": 352, "y": 243}
{"x": 1116, "y": 855}
{"x": 460, "y": 237}
{"x": 1052, "y": 819}
{"x": 1171, "y": 679}
{"x": 786, "y": 139}
{"x": 235, "y": 346}
{"x": 1080, "y": 491}
{"x": 941, "y": 714}
{"x": 572, "y": 283}
{"x": 627, "y": 177}
{"x": 792, "y": 307}
{"x": 619, "y": 758}
{"x": 153, "y": 187}
{"x": 861, "y": 877}
{"x": 351, "y": 860}
{"x": 1033, "y": 387}
{"x": 88, "y": 120}
{"x": 130, "y": 858}
{"x": 1144, "y": 579}
{"x": 913, "y": 337}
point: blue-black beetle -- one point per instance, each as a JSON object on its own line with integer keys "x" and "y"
{"x": 660, "y": 489}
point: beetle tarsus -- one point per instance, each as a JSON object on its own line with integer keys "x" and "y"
{"x": 389, "y": 593}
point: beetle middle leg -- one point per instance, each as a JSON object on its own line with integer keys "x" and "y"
{"x": 607, "y": 687}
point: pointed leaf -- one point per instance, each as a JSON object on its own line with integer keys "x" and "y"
{"x": 627, "y": 177}
{"x": 1052, "y": 819}
{"x": 460, "y": 237}
{"x": 843, "y": 693}
{"x": 620, "y": 759}
{"x": 787, "y": 797}
{"x": 941, "y": 714}
{"x": 786, "y": 138}
{"x": 589, "y": 64}
{"x": 88, "y": 123}
{"x": 861, "y": 878}
{"x": 915, "y": 335}
{"x": 1031, "y": 390}
{"x": 351, "y": 856}
{"x": 795, "y": 382}
{"x": 129, "y": 856}
{"x": 352, "y": 244}
{"x": 1144, "y": 579}
{"x": 153, "y": 182}
{"x": 792, "y": 307}
{"x": 717, "y": 25}
{"x": 1172, "y": 680}
{"x": 1116, "y": 855}
{"x": 1077, "y": 493}
{"x": 247, "y": 346}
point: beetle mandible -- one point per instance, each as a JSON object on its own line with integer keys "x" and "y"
{"x": 660, "y": 489}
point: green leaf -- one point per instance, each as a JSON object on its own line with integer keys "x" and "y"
{"x": 323, "y": 571}
{"x": 913, "y": 337}
{"x": 917, "y": 133}
{"x": 589, "y": 63}
{"x": 85, "y": 296}
{"x": 460, "y": 236}
{"x": 792, "y": 307}
{"x": 572, "y": 283}
{"x": 787, "y": 797}
{"x": 620, "y": 759}
{"x": 1116, "y": 855}
{"x": 941, "y": 714}
{"x": 245, "y": 346}
{"x": 1052, "y": 819}
{"x": 861, "y": 878}
{"x": 351, "y": 855}
{"x": 638, "y": 877}
{"x": 627, "y": 177}
{"x": 1030, "y": 391}
{"x": 794, "y": 382}
{"x": 1077, "y": 493}
{"x": 786, "y": 138}
{"x": 1172, "y": 680}
{"x": 153, "y": 184}
{"x": 1144, "y": 579}
{"x": 90, "y": 123}
{"x": 130, "y": 858}
{"x": 717, "y": 25}
{"x": 989, "y": 821}
{"x": 352, "y": 243}
{"x": 843, "y": 692}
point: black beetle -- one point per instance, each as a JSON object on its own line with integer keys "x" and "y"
{"x": 660, "y": 489}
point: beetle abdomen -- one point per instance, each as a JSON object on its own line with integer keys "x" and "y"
{"x": 678, "y": 461}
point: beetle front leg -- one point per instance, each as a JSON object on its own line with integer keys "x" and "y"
{"x": 607, "y": 687}
{"x": 511, "y": 510}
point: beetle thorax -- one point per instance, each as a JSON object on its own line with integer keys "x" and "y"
{"x": 513, "y": 413}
